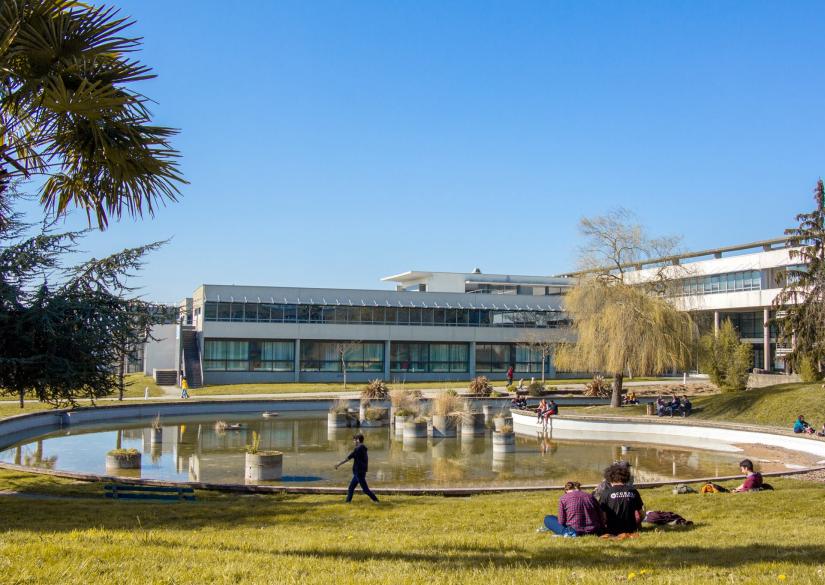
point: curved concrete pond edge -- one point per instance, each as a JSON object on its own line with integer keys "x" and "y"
{"x": 36, "y": 423}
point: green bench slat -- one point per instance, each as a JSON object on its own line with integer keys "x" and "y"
{"x": 130, "y": 496}
{"x": 148, "y": 488}
{"x": 149, "y": 492}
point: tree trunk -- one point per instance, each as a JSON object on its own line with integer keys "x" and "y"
{"x": 120, "y": 373}
{"x": 616, "y": 397}
{"x": 344, "y": 370}
{"x": 543, "y": 367}
{"x": 22, "y": 395}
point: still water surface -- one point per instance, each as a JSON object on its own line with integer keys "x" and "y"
{"x": 193, "y": 450}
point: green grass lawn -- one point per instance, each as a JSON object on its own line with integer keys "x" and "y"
{"x": 776, "y": 406}
{"x": 746, "y": 538}
{"x": 291, "y": 388}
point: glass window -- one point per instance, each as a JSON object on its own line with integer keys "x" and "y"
{"x": 223, "y": 311}
{"x": 236, "y": 311}
{"x": 210, "y": 311}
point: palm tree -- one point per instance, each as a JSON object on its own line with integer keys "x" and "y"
{"x": 69, "y": 117}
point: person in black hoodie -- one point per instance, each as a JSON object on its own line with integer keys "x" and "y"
{"x": 360, "y": 463}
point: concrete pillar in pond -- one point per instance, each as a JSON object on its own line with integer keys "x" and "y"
{"x": 297, "y": 360}
{"x": 766, "y": 339}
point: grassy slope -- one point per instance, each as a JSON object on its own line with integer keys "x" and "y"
{"x": 774, "y": 406}
{"x": 319, "y": 539}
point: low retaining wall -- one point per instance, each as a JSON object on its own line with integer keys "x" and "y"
{"x": 655, "y": 430}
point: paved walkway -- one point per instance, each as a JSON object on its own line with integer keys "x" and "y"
{"x": 173, "y": 393}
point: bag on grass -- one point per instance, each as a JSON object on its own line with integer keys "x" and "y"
{"x": 713, "y": 488}
{"x": 683, "y": 489}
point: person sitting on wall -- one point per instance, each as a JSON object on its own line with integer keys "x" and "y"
{"x": 621, "y": 503}
{"x": 687, "y": 405}
{"x": 822, "y": 432}
{"x": 674, "y": 406}
{"x": 661, "y": 407}
{"x": 552, "y": 409}
{"x": 630, "y": 398}
{"x": 579, "y": 513}
{"x": 753, "y": 480}
{"x": 542, "y": 408}
{"x": 801, "y": 426}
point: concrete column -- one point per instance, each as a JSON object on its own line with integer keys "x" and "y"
{"x": 387, "y": 360}
{"x": 472, "y": 364}
{"x": 766, "y": 338}
{"x": 716, "y": 322}
{"x": 297, "y": 360}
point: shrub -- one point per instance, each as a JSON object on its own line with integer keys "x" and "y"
{"x": 406, "y": 400}
{"x": 375, "y": 414}
{"x": 124, "y": 453}
{"x": 725, "y": 358}
{"x": 480, "y": 386}
{"x": 807, "y": 370}
{"x": 403, "y": 412}
{"x": 376, "y": 390}
{"x": 536, "y": 389}
{"x": 340, "y": 406}
{"x": 506, "y": 429}
{"x": 598, "y": 386}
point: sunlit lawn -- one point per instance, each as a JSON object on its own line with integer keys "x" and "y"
{"x": 747, "y": 538}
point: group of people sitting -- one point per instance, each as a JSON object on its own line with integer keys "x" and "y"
{"x": 546, "y": 409}
{"x": 615, "y": 507}
{"x": 802, "y": 426}
{"x": 519, "y": 402}
{"x": 629, "y": 399}
{"x": 674, "y": 407}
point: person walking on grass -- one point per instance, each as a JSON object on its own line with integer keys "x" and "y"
{"x": 360, "y": 464}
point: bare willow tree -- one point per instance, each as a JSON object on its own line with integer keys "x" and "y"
{"x": 623, "y": 322}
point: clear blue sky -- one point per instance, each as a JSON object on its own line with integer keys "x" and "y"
{"x": 332, "y": 143}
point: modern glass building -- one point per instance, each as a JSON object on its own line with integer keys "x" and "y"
{"x": 438, "y": 326}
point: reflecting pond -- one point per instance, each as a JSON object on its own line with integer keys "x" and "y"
{"x": 192, "y": 449}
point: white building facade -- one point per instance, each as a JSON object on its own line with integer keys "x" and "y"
{"x": 439, "y": 326}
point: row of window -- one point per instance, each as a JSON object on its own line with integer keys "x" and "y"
{"x": 720, "y": 283}
{"x": 498, "y": 357}
{"x": 234, "y": 355}
{"x": 291, "y": 313}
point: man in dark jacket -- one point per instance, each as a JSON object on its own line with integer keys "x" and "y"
{"x": 360, "y": 463}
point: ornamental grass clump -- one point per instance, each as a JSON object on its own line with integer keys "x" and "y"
{"x": 446, "y": 404}
{"x": 376, "y": 390}
{"x": 536, "y": 389}
{"x": 375, "y": 414}
{"x": 405, "y": 402}
{"x": 340, "y": 406}
{"x": 480, "y": 386}
{"x": 597, "y": 387}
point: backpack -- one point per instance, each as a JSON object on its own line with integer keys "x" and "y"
{"x": 683, "y": 489}
{"x": 713, "y": 488}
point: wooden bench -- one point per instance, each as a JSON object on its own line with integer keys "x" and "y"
{"x": 120, "y": 491}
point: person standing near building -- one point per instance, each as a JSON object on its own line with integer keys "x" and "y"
{"x": 510, "y": 376}
{"x": 360, "y": 464}
{"x": 184, "y": 388}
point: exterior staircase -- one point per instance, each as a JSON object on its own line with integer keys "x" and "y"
{"x": 191, "y": 357}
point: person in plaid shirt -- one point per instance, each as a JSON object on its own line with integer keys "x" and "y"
{"x": 579, "y": 513}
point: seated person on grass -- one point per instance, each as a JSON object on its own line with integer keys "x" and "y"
{"x": 622, "y": 505}
{"x": 753, "y": 480}
{"x": 579, "y": 513}
{"x": 801, "y": 426}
